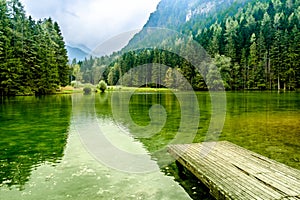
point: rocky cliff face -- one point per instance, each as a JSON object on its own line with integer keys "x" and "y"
{"x": 174, "y": 13}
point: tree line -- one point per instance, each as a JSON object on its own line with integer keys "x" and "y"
{"x": 33, "y": 57}
{"x": 90, "y": 69}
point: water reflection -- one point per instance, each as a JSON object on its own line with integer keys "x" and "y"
{"x": 33, "y": 130}
{"x": 155, "y": 119}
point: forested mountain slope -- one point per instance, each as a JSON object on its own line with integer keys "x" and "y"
{"x": 254, "y": 44}
{"x": 185, "y": 16}
{"x": 262, "y": 41}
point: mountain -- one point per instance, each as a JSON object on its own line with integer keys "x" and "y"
{"x": 174, "y": 13}
{"x": 81, "y": 46}
{"x": 79, "y": 52}
{"x": 186, "y": 16}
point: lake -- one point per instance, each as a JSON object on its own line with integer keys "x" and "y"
{"x": 113, "y": 145}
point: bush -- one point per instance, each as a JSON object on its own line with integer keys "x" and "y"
{"x": 73, "y": 83}
{"x": 87, "y": 90}
{"x": 102, "y": 86}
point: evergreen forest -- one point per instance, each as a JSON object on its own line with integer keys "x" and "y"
{"x": 33, "y": 57}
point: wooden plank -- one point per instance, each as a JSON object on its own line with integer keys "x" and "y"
{"x": 233, "y": 175}
{"x": 232, "y": 172}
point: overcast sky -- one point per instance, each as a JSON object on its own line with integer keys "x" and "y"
{"x": 92, "y": 22}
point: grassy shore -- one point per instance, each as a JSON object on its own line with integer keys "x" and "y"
{"x": 136, "y": 89}
{"x": 71, "y": 90}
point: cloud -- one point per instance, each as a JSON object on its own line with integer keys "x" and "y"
{"x": 91, "y": 22}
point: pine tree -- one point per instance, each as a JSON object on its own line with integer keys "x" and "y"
{"x": 230, "y": 36}
{"x": 223, "y": 64}
{"x": 61, "y": 56}
{"x": 169, "y": 79}
{"x": 244, "y": 69}
{"x": 4, "y": 47}
{"x": 276, "y": 57}
{"x": 286, "y": 64}
{"x": 16, "y": 53}
{"x": 263, "y": 72}
{"x": 253, "y": 62}
{"x": 294, "y": 57}
{"x": 268, "y": 34}
{"x": 214, "y": 47}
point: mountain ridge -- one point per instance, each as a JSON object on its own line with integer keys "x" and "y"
{"x": 78, "y": 52}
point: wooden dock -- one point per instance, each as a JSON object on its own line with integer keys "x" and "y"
{"x": 232, "y": 172}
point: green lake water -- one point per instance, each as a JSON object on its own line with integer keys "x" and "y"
{"x": 113, "y": 145}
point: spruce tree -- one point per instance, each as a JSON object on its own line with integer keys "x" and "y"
{"x": 4, "y": 47}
